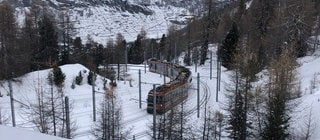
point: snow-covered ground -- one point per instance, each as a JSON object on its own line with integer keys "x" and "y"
{"x": 103, "y": 23}
{"x": 11, "y": 133}
{"x": 138, "y": 120}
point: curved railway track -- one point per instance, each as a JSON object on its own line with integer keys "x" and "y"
{"x": 204, "y": 98}
{"x": 135, "y": 118}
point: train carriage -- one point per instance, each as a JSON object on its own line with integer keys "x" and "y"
{"x": 172, "y": 93}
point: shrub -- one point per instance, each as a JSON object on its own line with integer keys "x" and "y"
{"x": 90, "y": 78}
{"x": 79, "y": 78}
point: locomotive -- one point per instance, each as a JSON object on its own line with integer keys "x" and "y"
{"x": 171, "y": 93}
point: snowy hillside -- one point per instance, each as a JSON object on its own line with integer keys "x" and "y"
{"x": 10, "y": 133}
{"x": 103, "y": 23}
{"x": 138, "y": 120}
{"x": 103, "y": 20}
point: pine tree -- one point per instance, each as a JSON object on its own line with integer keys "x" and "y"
{"x": 58, "y": 77}
{"x": 78, "y": 54}
{"x": 120, "y": 48}
{"x": 79, "y": 78}
{"x": 135, "y": 53}
{"x": 229, "y": 46}
{"x": 90, "y": 78}
{"x": 162, "y": 48}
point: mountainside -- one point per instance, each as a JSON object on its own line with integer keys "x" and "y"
{"x": 103, "y": 19}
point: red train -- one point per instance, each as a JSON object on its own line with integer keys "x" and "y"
{"x": 172, "y": 93}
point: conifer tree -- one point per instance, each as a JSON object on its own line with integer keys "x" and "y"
{"x": 162, "y": 47}
{"x": 78, "y": 54}
{"x": 59, "y": 76}
{"x": 229, "y": 46}
{"x": 135, "y": 54}
{"x": 90, "y": 78}
{"x": 48, "y": 49}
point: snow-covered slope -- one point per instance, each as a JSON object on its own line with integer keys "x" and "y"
{"x": 104, "y": 23}
{"x": 103, "y": 20}
{"x": 11, "y": 133}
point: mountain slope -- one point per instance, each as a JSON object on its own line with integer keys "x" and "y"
{"x": 103, "y": 19}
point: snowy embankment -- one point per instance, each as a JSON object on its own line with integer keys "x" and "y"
{"x": 11, "y": 133}
{"x": 307, "y": 113}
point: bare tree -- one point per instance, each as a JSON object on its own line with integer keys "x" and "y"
{"x": 308, "y": 127}
{"x": 4, "y": 118}
{"x": 282, "y": 86}
{"x": 213, "y": 126}
{"x": 108, "y": 125}
{"x": 297, "y": 22}
{"x": 47, "y": 112}
{"x": 173, "y": 125}
{"x": 8, "y": 39}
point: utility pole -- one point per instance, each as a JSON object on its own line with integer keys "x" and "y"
{"x": 118, "y": 70}
{"x": 139, "y": 88}
{"x": 53, "y": 105}
{"x": 67, "y": 117}
{"x": 218, "y": 76}
{"x": 164, "y": 79}
{"x": 126, "y": 57}
{"x": 152, "y": 49}
{"x": 175, "y": 53}
{"x": 154, "y": 111}
{"x": 93, "y": 96}
{"x": 196, "y": 61}
{"x": 210, "y": 65}
{"x": 12, "y": 104}
{"x": 144, "y": 57}
{"x": 198, "y": 95}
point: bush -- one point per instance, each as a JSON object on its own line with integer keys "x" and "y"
{"x": 73, "y": 86}
{"x": 113, "y": 84}
{"x": 58, "y": 76}
{"x": 90, "y": 78}
{"x": 79, "y": 78}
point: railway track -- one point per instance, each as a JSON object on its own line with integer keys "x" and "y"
{"x": 204, "y": 98}
{"x": 135, "y": 118}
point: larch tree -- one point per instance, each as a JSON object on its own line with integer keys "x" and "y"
{"x": 8, "y": 38}
{"x": 261, "y": 16}
{"x": 173, "y": 125}
{"x": 209, "y": 24}
{"x": 108, "y": 125}
{"x": 298, "y": 23}
{"x": 282, "y": 87}
{"x": 48, "y": 49}
{"x": 240, "y": 91}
